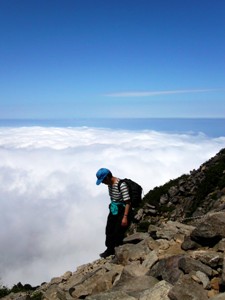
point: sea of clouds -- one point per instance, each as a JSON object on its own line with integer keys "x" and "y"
{"x": 52, "y": 213}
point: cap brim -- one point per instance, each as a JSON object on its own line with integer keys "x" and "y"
{"x": 99, "y": 181}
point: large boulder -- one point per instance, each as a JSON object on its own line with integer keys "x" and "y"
{"x": 187, "y": 265}
{"x": 187, "y": 288}
{"x": 127, "y": 253}
{"x": 210, "y": 231}
{"x": 134, "y": 285}
{"x": 158, "y": 292}
{"x": 167, "y": 269}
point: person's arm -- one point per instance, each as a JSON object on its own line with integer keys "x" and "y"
{"x": 126, "y": 198}
{"x": 125, "y": 215}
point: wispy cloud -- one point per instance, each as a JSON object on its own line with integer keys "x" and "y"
{"x": 157, "y": 93}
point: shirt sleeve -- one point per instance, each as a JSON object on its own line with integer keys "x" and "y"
{"x": 124, "y": 191}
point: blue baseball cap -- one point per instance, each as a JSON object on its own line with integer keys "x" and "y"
{"x": 101, "y": 175}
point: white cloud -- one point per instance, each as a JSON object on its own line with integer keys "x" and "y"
{"x": 52, "y": 213}
{"x": 157, "y": 93}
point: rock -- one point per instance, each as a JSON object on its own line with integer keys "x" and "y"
{"x": 215, "y": 283}
{"x": 117, "y": 295}
{"x": 223, "y": 273}
{"x": 219, "y": 297}
{"x": 152, "y": 229}
{"x": 173, "y": 191}
{"x": 150, "y": 259}
{"x": 129, "y": 252}
{"x": 220, "y": 246}
{"x": 211, "y": 230}
{"x": 158, "y": 292}
{"x": 54, "y": 292}
{"x": 167, "y": 232}
{"x": 189, "y": 244}
{"x": 187, "y": 265}
{"x": 203, "y": 278}
{"x": 163, "y": 244}
{"x": 139, "y": 214}
{"x": 209, "y": 257}
{"x": 187, "y": 288}
{"x": 212, "y": 293}
{"x": 134, "y": 285}
{"x": 135, "y": 269}
{"x": 167, "y": 269}
{"x": 136, "y": 238}
{"x": 164, "y": 199}
{"x": 182, "y": 228}
{"x": 95, "y": 282}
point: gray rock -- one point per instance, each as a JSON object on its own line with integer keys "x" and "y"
{"x": 204, "y": 279}
{"x": 187, "y": 265}
{"x": 187, "y": 288}
{"x": 209, "y": 257}
{"x": 150, "y": 259}
{"x": 134, "y": 285}
{"x": 189, "y": 244}
{"x": 139, "y": 214}
{"x": 158, "y": 292}
{"x": 135, "y": 269}
{"x": 54, "y": 292}
{"x": 164, "y": 199}
{"x": 223, "y": 272}
{"x": 167, "y": 232}
{"x": 136, "y": 238}
{"x": 211, "y": 230}
{"x": 220, "y": 246}
{"x": 130, "y": 252}
{"x": 218, "y": 297}
{"x": 152, "y": 229}
{"x": 167, "y": 269}
{"x": 117, "y": 295}
{"x": 173, "y": 191}
{"x": 93, "y": 283}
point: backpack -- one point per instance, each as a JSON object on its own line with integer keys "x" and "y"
{"x": 135, "y": 191}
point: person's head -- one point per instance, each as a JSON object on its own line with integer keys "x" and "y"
{"x": 103, "y": 176}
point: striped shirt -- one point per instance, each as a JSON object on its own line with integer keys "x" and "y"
{"x": 119, "y": 196}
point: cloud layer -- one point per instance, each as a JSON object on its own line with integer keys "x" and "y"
{"x": 52, "y": 213}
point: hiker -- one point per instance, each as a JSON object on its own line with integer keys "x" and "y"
{"x": 119, "y": 210}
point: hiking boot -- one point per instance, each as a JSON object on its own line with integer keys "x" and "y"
{"x": 107, "y": 253}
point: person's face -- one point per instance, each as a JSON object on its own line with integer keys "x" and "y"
{"x": 106, "y": 180}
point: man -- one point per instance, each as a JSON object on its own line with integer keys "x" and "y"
{"x": 119, "y": 210}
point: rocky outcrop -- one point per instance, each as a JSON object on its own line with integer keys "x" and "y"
{"x": 149, "y": 265}
{"x": 186, "y": 198}
{"x": 164, "y": 257}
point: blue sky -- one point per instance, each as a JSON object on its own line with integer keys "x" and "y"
{"x": 120, "y": 58}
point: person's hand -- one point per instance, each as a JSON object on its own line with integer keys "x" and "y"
{"x": 124, "y": 221}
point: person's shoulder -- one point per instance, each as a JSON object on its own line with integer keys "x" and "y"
{"x": 122, "y": 183}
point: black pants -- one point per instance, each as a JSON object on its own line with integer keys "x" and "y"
{"x": 115, "y": 232}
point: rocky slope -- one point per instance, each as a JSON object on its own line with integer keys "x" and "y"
{"x": 188, "y": 197}
{"x": 174, "y": 249}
